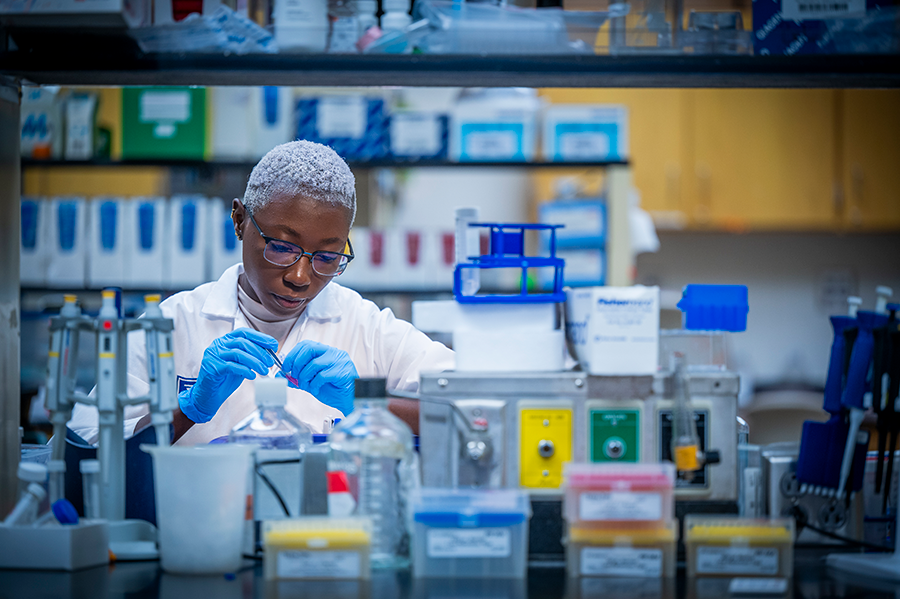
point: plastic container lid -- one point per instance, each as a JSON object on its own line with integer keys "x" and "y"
{"x": 271, "y": 392}
{"x": 31, "y": 472}
{"x": 38, "y": 491}
{"x": 715, "y": 307}
{"x": 65, "y": 512}
{"x": 318, "y": 532}
{"x": 470, "y": 508}
{"x": 89, "y": 466}
{"x": 619, "y": 476}
{"x": 725, "y": 529}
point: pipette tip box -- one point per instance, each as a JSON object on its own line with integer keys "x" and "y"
{"x": 470, "y": 533}
{"x": 733, "y": 546}
{"x": 619, "y": 495}
{"x": 316, "y": 547}
{"x": 623, "y": 552}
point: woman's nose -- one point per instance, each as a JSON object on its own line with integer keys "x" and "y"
{"x": 299, "y": 274}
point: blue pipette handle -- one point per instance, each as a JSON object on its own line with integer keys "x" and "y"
{"x": 834, "y": 384}
{"x": 861, "y": 359}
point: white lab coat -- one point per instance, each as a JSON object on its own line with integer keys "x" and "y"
{"x": 379, "y": 344}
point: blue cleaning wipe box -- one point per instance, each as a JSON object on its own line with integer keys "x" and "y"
{"x": 715, "y": 307}
{"x": 583, "y": 132}
{"x": 356, "y": 127}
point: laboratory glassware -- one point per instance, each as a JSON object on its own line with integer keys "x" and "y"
{"x": 271, "y": 426}
{"x": 372, "y": 449}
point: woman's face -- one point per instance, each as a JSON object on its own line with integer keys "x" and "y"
{"x": 286, "y": 291}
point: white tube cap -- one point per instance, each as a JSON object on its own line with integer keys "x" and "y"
{"x": 271, "y": 392}
{"x": 56, "y": 466}
{"x": 31, "y": 472}
{"x": 38, "y": 491}
{"x": 89, "y": 466}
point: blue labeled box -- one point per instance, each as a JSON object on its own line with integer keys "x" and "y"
{"x": 803, "y": 27}
{"x": 356, "y": 127}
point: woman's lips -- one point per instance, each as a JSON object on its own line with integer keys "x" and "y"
{"x": 289, "y": 302}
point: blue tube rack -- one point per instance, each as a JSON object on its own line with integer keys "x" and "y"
{"x": 507, "y": 250}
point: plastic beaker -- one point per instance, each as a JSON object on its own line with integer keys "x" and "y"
{"x": 200, "y": 503}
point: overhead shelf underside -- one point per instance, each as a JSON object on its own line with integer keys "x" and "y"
{"x": 73, "y": 67}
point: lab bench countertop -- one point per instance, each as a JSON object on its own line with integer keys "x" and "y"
{"x": 140, "y": 580}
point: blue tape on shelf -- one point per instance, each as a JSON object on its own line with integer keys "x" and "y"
{"x": 67, "y": 218}
{"x": 30, "y": 210}
{"x": 715, "y": 307}
{"x": 188, "y": 225}
{"x": 108, "y": 224}
{"x": 229, "y": 239}
{"x": 146, "y": 214}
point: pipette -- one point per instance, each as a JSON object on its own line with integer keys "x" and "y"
{"x": 278, "y": 363}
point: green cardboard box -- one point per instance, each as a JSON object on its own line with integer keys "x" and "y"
{"x": 163, "y": 122}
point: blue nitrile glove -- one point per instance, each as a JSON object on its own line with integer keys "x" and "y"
{"x": 325, "y": 372}
{"x": 230, "y": 359}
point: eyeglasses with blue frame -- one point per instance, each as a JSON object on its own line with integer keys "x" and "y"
{"x": 285, "y": 253}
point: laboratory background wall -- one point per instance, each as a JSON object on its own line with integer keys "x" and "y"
{"x": 794, "y": 193}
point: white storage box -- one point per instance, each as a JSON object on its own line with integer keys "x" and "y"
{"x": 614, "y": 330}
{"x": 187, "y": 240}
{"x": 470, "y": 533}
{"x": 106, "y": 242}
{"x": 146, "y": 253}
{"x": 63, "y": 547}
{"x": 34, "y": 251}
{"x": 68, "y": 246}
{"x": 585, "y": 132}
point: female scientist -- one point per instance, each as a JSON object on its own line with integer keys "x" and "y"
{"x": 294, "y": 221}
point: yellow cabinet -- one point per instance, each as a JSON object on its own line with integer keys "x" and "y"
{"x": 656, "y": 132}
{"x": 763, "y": 159}
{"x": 871, "y": 158}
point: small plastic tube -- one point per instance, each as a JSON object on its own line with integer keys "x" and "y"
{"x": 29, "y": 473}
{"x": 25, "y": 511}
{"x": 56, "y": 481}
{"x": 90, "y": 480}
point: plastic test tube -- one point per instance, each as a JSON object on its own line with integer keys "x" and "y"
{"x": 25, "y": 511}
{"x": 56, "y": 482}
{"x": 90, "y": 480}
{"x": 31, "y": 473}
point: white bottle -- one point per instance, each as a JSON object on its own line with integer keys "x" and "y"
{"x": 366, "y": 15}
{"x": 301, "y": 25}
{"x": 396, "y": 15}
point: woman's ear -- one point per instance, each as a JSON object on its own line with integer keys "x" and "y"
{"x": 239, "y": 218}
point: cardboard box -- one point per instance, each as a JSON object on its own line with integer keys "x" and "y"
{"x": 163, "y": 122}
{"x": 585, "y": 132}
{"x": 146, "y": 252}
{"x": 416, "y": 135}
{"x": 614, "y": 330}
{"x": 107, "y": 227}
{"x": 355, "y": 126}
{"x": 494, "y": 128}
{"x": 34, "y": 250}
{"x": 796, "y": 27}
{"x": 186, "y": 237}
{"x": 75, "y": 13}
{"x": 225, "y": 248}
{"x": 68, "y": 243}
{"x": 583, "y": 220}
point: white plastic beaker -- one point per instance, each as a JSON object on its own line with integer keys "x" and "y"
{"x": 200, "y": 505}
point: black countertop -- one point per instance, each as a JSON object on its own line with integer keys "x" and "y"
{"x": 812, "y": 580}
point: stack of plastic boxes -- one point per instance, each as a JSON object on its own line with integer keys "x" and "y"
{"x": 731, "y": 546}
{"x": 470, "y": 533}
{"x": 620, "y": 520}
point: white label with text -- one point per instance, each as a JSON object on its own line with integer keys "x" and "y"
{"x": 737, "y": 560}
{"x": 621, "y": 561}
{"x": 477, "y": 542}
{"x": 620, "y": 506}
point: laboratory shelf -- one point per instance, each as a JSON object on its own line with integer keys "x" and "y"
{"x": 379, "y": 163}
{"x": 86, "y": 64}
